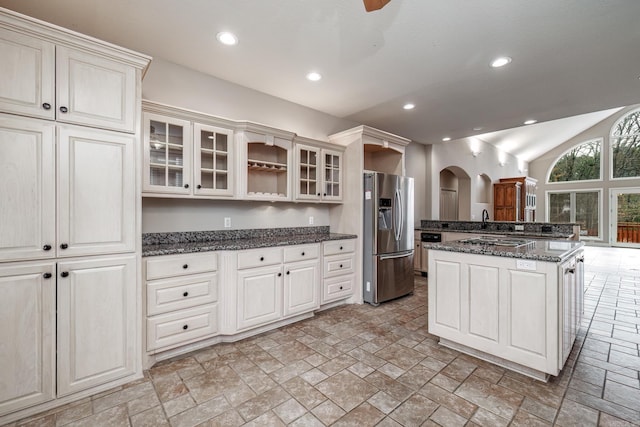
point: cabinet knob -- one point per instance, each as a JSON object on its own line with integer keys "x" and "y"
{"x": 288, "y": 272}
{"x": 340, "y": 247}
{"x": 198, "y": 186}
{"x": 46, "y": 106}
{"x": 302, "y": 253}
{"x": 46, "y": 247}
{"x": 185, "y": 327}
{"x": 186, "y": 294}
{"x": 186, "y": 186}
{"x": 340, "y": 265}
{"x": 63, "y": 109}
{"x": 65, "y": 274}
{"x": 185, "y": 266}
{"x": 340, "y": 287}
{"x": 64, "y": 246}
{"x": 261, "y": 258}
{"x": 318, "y": 194}
{"x": 325, "y": 194}
{"x": 279, "y": 274}
{"x": 47, "y": 275}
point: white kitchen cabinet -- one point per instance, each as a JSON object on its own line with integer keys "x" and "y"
{"x": 167, "y": 155}
{"x": 259, "y": 296}
{"x": 27, "y": 86}
{"x": 265, "y": 159}
{"x": 181, "y": 299}
{"x": 301, "y": 279}
{"x": 28, "y": 188}
{"x": 96, "y": 325}
{"x": 55, "y": 81}
{"x": 518, "y": 312}
{"x": 338, "y": 270}
{"x": 96, "y": 192}
{"x": 27, "y": 337}
{"x": 213, "y": 160}
{"x": 94, "y": 184}
{"x": 318, "y": 174}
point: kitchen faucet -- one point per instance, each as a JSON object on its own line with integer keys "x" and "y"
{"x": 485, "y": 218}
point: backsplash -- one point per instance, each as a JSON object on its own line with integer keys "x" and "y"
{"x": 496, "y": 226}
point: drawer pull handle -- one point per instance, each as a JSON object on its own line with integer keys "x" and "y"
{"x": 261, "y": 258}
{"x": 186, "y": 294}
{"x": 47, "y": 275}
{"x": 185, "y": 266}
{"x": 185, "y": 327}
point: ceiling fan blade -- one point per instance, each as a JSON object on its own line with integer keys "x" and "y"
{"x": 371, "y": 5}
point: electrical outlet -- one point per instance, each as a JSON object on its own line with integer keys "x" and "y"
{"x": 227, "y": 222}
{"x": 310, "y": 220}
{"x": 520, "y": 227}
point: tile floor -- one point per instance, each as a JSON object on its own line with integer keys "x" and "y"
{"x": 366, "y": 366}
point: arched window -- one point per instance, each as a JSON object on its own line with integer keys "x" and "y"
{"x": 580, "y": 163}
{"x": 625, "y": 147}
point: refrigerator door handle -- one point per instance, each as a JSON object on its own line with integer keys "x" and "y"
{"x": 399, "y": 215}
{"x": 401, "y": 255}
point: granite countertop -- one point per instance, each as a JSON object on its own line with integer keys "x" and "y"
{"x": 537, "y": 235}
{"x": 183, "y": 243}
{"x": 539, "y": 250}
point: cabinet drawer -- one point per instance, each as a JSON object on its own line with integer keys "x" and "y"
{"x": 173, "y": 329}
{"x": 259, "y": 257}
{"x": 301, "y": 252}
{"x": 180, "y": 265}
{"x": 338, "y": 265}
{"x": 337, "y": 287}
{"x": 176, "y": 294}
{"x": 339, "y": 246}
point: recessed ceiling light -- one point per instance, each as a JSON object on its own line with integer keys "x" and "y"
{"x": 500, "y": 62}
{"x": 409, "y": 106}
{"x": 477, "y": 128}
{"x": 313, "y": 76}
{"x": 530, "y": 122}
{"x": 446, "y": 138}
{"x": 227, "y": 38}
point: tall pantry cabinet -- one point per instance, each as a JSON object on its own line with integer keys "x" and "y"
{"x": 69, "y": 215}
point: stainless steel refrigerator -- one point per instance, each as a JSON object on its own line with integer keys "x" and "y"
{"x": 387, "y": 237}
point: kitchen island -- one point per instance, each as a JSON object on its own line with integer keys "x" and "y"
{"x": 512, "y": 301}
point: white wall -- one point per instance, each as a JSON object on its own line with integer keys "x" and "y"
{"x": 178, "y": 86}
{"x": 416, "y": 165}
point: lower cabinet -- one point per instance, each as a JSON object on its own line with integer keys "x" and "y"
{"x": 259, "y": 296}
{"x": 94, "y": 332}
{"x": 338, "y": 270}
{"x": 523, "y": 312}
{"x": 27, "y": 336}
{"x": 96, "y": 322}
{"x": 181, "y": 299}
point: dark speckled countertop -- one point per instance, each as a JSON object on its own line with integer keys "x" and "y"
{"x": 154, "y": 244}
{"x": 540, "y": 250}
{"x": 538, "y": 230}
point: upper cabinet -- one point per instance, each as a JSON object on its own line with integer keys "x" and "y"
{"x": 527, "y": 208}
{"x": 318, "y": 171}
{"x": 67, "y": 79}
{"x": 186, "y": 153}
{"x": 265, "y": 159}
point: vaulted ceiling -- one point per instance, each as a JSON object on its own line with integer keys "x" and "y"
{"x": 570, "y": 57}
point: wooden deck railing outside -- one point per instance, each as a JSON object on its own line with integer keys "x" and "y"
{"x": 628, "y": 232}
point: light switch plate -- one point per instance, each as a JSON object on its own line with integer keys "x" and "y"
{"x": 525, "y": 264}
{"x": 519, "y": 227}
{"x": 227, "y": 222}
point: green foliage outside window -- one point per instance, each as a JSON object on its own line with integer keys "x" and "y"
{"x": 580, "y": 163}
{"x": 625, "y": 146}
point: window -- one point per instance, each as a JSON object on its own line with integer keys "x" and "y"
{"x": 580, "y": 163}
{"x": 582, "y": 207}
{"x": 625, "y": 147}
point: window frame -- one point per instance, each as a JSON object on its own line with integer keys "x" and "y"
{"x": 601, "y": 175}
{"x": 610, "y": 150}
{"x": 572, "y": 212}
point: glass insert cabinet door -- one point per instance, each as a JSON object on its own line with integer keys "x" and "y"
{"x": 332, "y": 175}
{"x": 167, "y": 155}
{"x": 213, "y": 160}
{"x": 308, "y": 173}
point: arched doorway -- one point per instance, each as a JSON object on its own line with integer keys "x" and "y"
{"x": 455, "y": 194}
